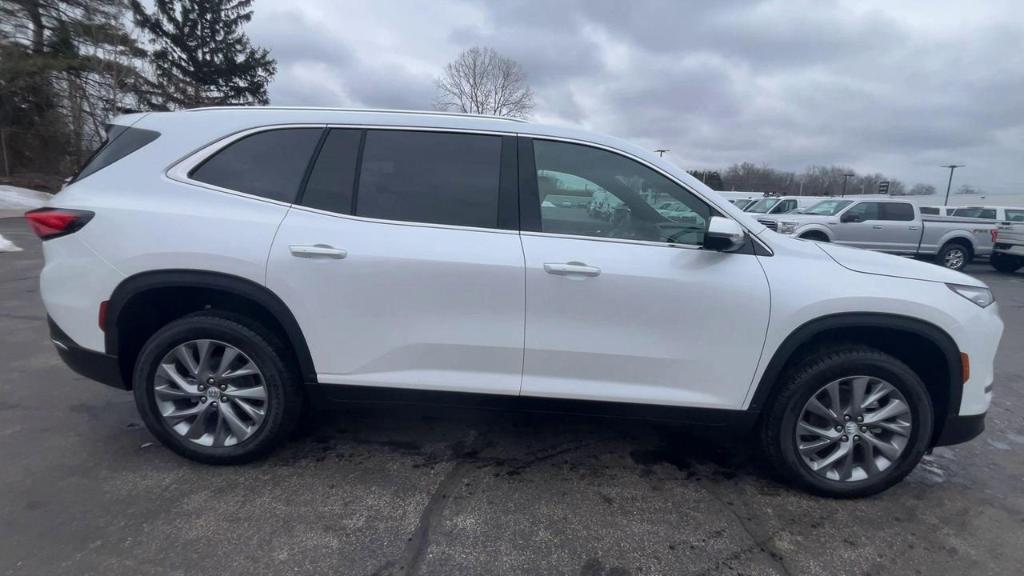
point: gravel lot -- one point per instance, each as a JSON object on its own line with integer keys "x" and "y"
{"x": 84, "y": 489}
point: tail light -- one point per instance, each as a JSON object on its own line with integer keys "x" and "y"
{"x": 995, "y": 235}
{"x": 50, "y": 223}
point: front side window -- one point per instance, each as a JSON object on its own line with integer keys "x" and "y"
{"x": 784, "y": 207}
{"x": 866, "y": 211}
{"x": 828, "y": 207}
{"x": 269, "y": 164}
{"x": 431, "y": 177}
{"x": 898, "y": 211}
{"x": 1015, "y": 215}
{"x": 587, "y": 191}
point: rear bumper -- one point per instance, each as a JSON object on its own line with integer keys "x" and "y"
{"x": 959, "y": 429}
{"x": 97, "y": 366}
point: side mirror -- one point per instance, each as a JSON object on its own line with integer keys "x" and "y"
{"x": 724, "y": 235}
{"x": 850, "y": 218}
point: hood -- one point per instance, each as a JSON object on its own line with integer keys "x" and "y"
{"x": 869, "y": 262}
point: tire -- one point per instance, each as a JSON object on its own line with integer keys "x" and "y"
{"x": 812, "y": 375}
{"x": 280, "y": 406}
{"x": 1006, "y": 263}
{"x": 954, "y": 255}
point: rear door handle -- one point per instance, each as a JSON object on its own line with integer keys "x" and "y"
{"x": 877, "y": 226}
{"x": 317, "y": 251}
{"x": 571, "y": 269}
{"x": 914, "y": 228}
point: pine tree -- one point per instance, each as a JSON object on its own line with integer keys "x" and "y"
{"x": 202, "y": 57}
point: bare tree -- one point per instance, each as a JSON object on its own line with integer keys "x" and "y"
{"x": 481, "y": 81}
{"x": 922, "y": 190}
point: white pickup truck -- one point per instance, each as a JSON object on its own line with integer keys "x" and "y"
{"x": 894, "y": 226}
{"x": 1008, "y": 252}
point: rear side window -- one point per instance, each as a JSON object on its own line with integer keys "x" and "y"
{"x": 432, "y": 177}
{"x": 929, "y": 210}
{"x": 333, "y": 178}
{"x": 269, "y": 164}
{"x": 121, "y": 141}
{"x": 1015, "y": 215}
{"x": 899, "y": 211}
{"x": 988, "y": 214}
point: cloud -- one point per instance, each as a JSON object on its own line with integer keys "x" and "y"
{"x": 875, "y": 85}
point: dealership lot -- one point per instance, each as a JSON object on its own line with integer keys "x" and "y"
{"x": 85, "y": 489}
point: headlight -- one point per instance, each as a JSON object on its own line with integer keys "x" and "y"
{"x": 980, "y": 296}
{"x": 787, "y": 227}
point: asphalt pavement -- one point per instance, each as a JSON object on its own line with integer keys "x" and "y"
{"x": 85, "y": 489}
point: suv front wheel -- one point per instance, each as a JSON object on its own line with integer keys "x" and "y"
{"x": 214, "y": 388}
{"x": 849, "y": 421}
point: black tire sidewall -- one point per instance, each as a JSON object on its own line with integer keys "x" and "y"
{"x": 1006, "y": 263}
{"x": 244, "y": 338}
{"x": 867, "y": 364}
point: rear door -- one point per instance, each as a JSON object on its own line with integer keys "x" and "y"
{"x": 402, "y": 262}
{"x": 901, "y": 230}
{"x": 630, "y": 308}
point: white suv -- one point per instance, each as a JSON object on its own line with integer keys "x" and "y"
{"x": 228, "y": 265}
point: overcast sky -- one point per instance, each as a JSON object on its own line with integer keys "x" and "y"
{"x": 895, "y": 87}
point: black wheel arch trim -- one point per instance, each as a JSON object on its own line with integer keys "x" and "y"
{"x": 263, "y": 296}
{"x": 809, "y": 330}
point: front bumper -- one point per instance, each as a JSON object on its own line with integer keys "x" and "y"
{"x": 97, "y": 366}
{"x": 959, "y": 429}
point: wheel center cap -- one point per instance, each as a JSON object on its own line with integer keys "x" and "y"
{"x": 213, "y": 393}
{"x": 852, "y": 428}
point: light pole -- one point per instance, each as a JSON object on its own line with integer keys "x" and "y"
{"x": 661, "y": 151}
{"x": 845, "y": 178}
{"x": 950, "y": 183}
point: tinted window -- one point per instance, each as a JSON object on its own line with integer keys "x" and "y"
{"x": 866, "y": 210}
{"x": 929, "y": 210}
{"x": 897, "y": 211}
{"x": 586, "y": 191}
{"x": 121, "y": 141}
{"x": 988, "y": 213}
{"x": 331, "y": 182}
{"x": 270, "y": 164}
{"x": 430, "y": 177}
{"x": 967, "y": 212}
{"x": 1015, "y": 215}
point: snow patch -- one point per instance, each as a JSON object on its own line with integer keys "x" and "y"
{"x": 8, "y": 246}
{"x": 14, "y": 198}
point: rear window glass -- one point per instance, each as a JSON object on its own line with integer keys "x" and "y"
{"x": 269, "y": 164}
{"x": 897, "y": 211}
{"x": 121, "y": 141}
{"x": 331, "y": 182}
{"x": 430, "y": 177}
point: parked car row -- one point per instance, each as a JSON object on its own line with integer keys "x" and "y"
{"x": 993, "y": 213}
{"x": 890, "y": 225}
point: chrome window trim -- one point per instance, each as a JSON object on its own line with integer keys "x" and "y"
{"x": 179, "y": 172}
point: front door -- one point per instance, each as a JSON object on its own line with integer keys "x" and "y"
{"x": 399, "y": 265}
{"x": 624, "y": 305}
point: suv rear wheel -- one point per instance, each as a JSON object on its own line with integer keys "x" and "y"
{"x": 849, "y": 421}
{"x": 213, "y": 387}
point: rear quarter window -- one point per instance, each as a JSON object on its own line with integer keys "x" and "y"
{"x": 269, "y": 164}
{"x": 120, "y": 142}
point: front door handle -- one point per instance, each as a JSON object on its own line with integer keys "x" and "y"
{"x": 317, "y": 251}
{"x": 914, "y": 228}
{"x": 571, "y": 269}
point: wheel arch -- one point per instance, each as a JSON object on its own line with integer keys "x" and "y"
{"x": 958, "y": 237}
{"x": 815, "y": 229}
{"x": 926, "y": 348}
{"x": 140, "y": 303}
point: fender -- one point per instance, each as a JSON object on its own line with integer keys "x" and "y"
{"x": 235, "y": 285}
{"x": 957, "y": 235}
{"x": 811, "y": 329}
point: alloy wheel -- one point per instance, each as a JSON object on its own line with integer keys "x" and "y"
{"x": 853, "y": 428}
{"x": 954, "y": 258}
{"x": 210, "y": 393}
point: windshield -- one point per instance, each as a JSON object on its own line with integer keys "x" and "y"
{"x": 828, "y": 207}
{"x": 761, "y": 206}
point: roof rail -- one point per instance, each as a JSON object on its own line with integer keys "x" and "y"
{"x": 374, "y": 110}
